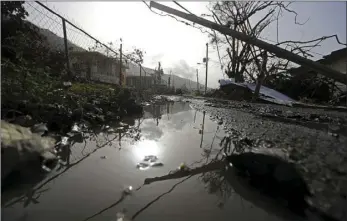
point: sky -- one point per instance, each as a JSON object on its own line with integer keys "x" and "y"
{"x": 180, "y": 47}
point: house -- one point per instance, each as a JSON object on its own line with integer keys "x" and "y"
{"x": 336, "y": 60}
{"x": 96, "y": 66}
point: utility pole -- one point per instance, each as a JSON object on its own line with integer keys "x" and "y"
{"x": 197, "y": 80}
{"x": 140, "y": 78}
{"x": 120, "y": 65}
{"x": 278, "y": 51}
{"x": 206, "y": 66}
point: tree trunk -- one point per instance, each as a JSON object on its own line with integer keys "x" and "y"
{"x": 260, "y": 80}
{"x": 261, "y": 76}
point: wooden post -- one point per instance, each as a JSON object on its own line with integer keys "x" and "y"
{"x": 120, "y": 65}
{"x": 279, "y": 52}
{"x": 66, "y": 49}
{"x": 206, "y": 67}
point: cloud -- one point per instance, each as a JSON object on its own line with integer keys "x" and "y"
{"x": 182, "y": 69}
{"x": 155, "y": 59}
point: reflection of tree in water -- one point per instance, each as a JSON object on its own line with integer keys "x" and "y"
{"x": 31, "y": 194}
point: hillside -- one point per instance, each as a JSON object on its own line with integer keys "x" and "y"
{"x": 57, "y": 42}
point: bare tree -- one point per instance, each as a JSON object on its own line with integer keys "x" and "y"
{"x": 247, "y": 62}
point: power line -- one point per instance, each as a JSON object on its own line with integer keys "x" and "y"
{"x": 184, "y": 22}
{"x": 287, "y": 44}
{"x": 183, "y": 8}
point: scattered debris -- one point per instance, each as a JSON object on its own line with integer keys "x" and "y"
{"x": 157, "y": 164}
{"x": 142, "y": 166}
{"x": 151, "y": 158}
{"x": 128, "y": 190}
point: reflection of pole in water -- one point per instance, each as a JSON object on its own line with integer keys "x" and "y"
{"x": 202, "y": 128}
{"x": 120, "y": 139}
{"x": 168, "y": 110}
{"x": 195, "y": 116}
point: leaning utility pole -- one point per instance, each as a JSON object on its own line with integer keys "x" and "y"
{"x": 206, "y": 67}
{"x": 278, "y": 51}
{"x": 197, "y": 80}
{"x": 120, "y": 65}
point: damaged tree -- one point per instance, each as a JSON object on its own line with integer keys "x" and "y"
{"x": 273, "y": 50}
{"x": 248, "y": 62}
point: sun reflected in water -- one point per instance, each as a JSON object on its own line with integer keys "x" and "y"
{"x": 145, "y": 148}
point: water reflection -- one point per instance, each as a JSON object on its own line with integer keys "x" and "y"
{"x": 145, "y": 148}
{"x": 226, "y": 184}
{"x": 90, "y": 187}
{"x": 202, "y": 129}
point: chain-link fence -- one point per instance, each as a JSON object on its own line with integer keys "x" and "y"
{"x": 82, "y": 54}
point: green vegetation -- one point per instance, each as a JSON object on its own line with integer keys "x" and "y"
{"x": 35, "y": 81}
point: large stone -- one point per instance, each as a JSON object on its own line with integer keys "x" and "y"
{"x": 274, "y": 175}
{"x": 20, "y": 147}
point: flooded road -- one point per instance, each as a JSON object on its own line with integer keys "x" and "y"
{"x": 102, "y": 177}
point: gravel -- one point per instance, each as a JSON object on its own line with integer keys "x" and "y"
{"x": 315, "y": 139}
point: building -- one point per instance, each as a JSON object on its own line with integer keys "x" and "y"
{"x": 135, "y": 78}
{"x": 336, "y": 60}
{"x": 96, "y": 66}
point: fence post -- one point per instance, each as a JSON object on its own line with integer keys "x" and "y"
{"x": 66, "y": 49}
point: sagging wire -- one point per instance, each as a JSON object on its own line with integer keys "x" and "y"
{"x": 215, "y": 34}
{"x": 183, "y": 7}
{"x": 184, "y": 22}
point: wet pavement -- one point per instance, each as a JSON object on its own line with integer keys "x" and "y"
{"x": 122, "y": 172}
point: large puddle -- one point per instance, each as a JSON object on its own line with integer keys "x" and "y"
{"x": 103, "y": 177}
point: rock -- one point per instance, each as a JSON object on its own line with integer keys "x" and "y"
{"x": 77, "y": 114}
{"x": 20, "y": 147}
{"x": 274, "y": 175}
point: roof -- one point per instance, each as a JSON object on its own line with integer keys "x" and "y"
{"x": 336, "y": 54}
{"x": 327, "y": 59}
{"x": 265, "y": 91}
